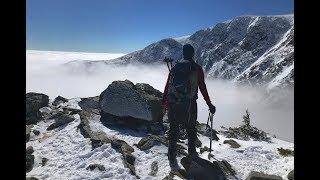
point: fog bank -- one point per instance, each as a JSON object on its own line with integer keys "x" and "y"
{"x": 54, "y": 78}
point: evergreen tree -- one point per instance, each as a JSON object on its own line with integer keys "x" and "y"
{"x": 246, "y": 118}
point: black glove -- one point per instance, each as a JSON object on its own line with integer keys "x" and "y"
{"x": 212, "y": 108}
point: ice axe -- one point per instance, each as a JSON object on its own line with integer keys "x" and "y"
{"x": 169, "y": 63}
{"x": 210, "y": 118}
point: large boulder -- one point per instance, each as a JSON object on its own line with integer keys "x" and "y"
{"x": 35, "y": 101}
{"x": 126, "y": 100}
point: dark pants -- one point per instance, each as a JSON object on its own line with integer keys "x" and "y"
{"x": 186, "y": 115}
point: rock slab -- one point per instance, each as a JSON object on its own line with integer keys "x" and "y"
{"x": 124, "y": 99}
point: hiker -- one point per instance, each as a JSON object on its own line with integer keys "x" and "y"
{"x": 180, "y": 99}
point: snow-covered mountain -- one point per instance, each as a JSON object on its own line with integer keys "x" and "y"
{"x": 255, "y": 49}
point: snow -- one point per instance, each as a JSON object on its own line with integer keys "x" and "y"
{"x": 256, "y": 156}
{"x": 182, "y": 39}
{"x": 277, "y": 80}
{"x": 277, "y": 57}
{"x": 69, "y": 154}
{"x": 253, "y": 23}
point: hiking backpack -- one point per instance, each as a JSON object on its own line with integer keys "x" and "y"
{"x": 183, "y": 82}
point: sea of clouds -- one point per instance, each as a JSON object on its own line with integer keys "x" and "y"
{"x": 49, "y": 72}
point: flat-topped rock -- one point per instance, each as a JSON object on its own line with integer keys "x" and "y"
{"x": 124, "y": 99}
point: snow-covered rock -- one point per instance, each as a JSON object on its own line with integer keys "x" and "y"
{"x": 70, "y": 151}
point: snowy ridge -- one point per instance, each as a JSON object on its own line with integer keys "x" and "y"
{"x": 69, "y": 153}
{"x": 229, "y": 49}
{"x": 270, "y": 65}
{"x": 182, "y": 39}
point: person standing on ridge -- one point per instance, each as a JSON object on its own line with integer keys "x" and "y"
{"x": 180, "y": 99}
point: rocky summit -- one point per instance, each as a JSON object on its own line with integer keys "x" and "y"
{"x": 70, "y": 139}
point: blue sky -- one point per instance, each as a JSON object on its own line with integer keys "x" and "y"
{"x": 122, "y": 26}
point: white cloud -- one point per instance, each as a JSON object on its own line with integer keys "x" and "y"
{"x": 46, "y": 75}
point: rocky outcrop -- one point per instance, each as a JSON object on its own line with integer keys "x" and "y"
{"x": 126, "y": 150}
{"x": 204, "y": 149}
{"x": 28, "y": 131}
{"x": 285, "y": 152}
{"x": 35, "y": 101}
{"x": 29, "y": 159}
{"x": 58, "y": 100}
{"x": 46, "y": 112}
{"x": 154, "y": 168}
{"x": 36, "y": 132}
{"x": 60, "y": 120}
{"x": 98, "y": 138}
{"x": 290, "y": 176}
{"x": 44, "y": 161}
{"x": 149, "y": 141}
{"x": 70, "y": 111}
{"x": 232, "y": 143}
{"x": 131, "y": 102}
{"x": 92, "y": 167}
{"x": 262, "y": 176}
{"x": 89, "y": 103}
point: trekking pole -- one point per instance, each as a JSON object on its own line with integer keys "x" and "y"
{"x": 208, "y": 121}
{"x": 211, "y": 119}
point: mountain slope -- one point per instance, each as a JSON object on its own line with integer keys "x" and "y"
{"x": 255, "y": 48}
{"x": 69, "y": 153}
